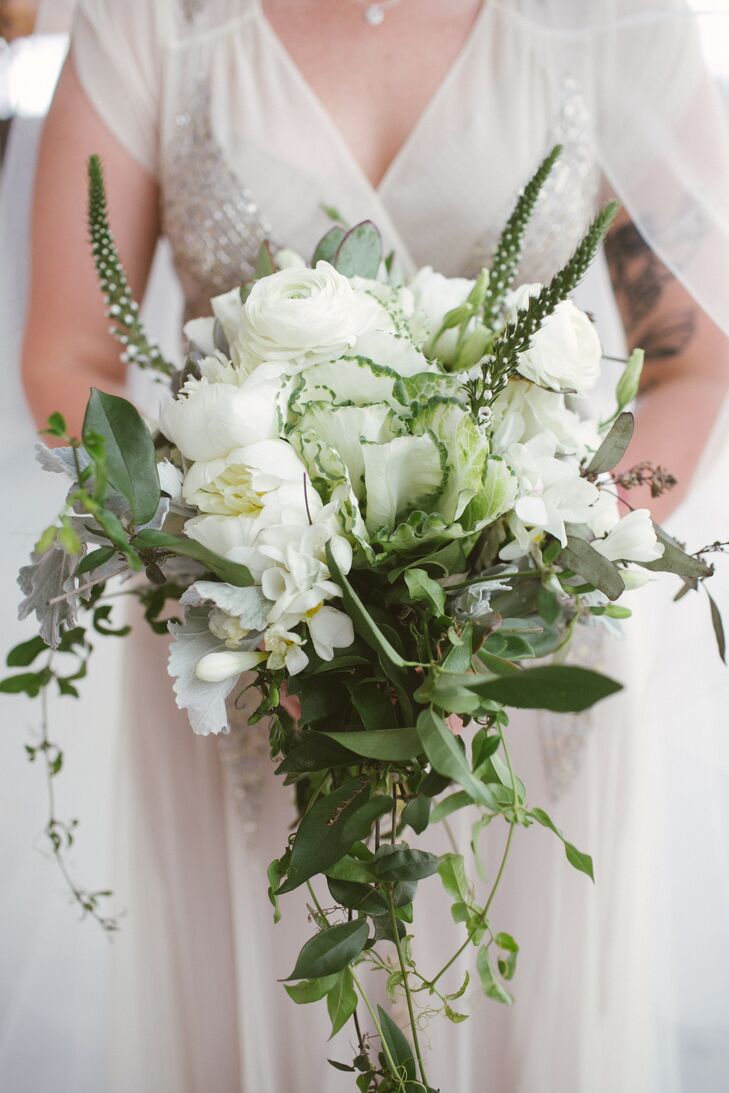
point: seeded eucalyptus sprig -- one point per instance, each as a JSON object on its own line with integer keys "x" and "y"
{"x": 517, "y": 335}
{"x": 509, "y": 250}
{"x": 122, "y": 308}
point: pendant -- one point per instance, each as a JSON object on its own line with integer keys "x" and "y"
{"x": 374, "y": 15}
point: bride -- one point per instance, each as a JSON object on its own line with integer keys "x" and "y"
{"x": 225, "y": 122}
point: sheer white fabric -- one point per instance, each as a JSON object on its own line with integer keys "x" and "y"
{"x": 196, "y": 1002}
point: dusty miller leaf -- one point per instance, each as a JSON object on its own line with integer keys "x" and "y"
{"x": 49, "y": 575}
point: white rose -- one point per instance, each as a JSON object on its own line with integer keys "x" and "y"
{"x": 208, "y": 420}
{"x": 523, "y": 411}
{"x": 633, "y": 539}
{"x": 303, "y": 316}
{"x": 436, "y": 295}
{"x": 565, "y": 353}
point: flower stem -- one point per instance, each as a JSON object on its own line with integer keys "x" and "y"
{"x": 406, "y": 985}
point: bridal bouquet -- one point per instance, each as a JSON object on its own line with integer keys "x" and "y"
{"x": 377, "y": 499}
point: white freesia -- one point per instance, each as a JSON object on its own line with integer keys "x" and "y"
{"x": 227, "y": 627}
{"x": 565, "y": 352}
{"x": 436, "y": 295}
{"x": 330, "y": 629}
{"x": 231, "y": 537}
{"x": 215, "y": 667}
{"x": 299, "y": 582}
{"x": 284, "y": 650}
{"x": 302, "y": 316}
{"x": 208, "y": 420}
{"x": 633, "y": 539}
{"x": 552, "y": 492}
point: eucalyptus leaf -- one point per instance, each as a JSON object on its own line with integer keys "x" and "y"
{"x": 716, "y": 622}
{"x": 128, "y": 451}
{"x": 327, "y": 247}
{"x": 331, "y": 950}
{"x": 675, "y": 560}
{"x": 614, "y": 446}
{"x": 360, "y": 252}
{"x": 589, "y": 564}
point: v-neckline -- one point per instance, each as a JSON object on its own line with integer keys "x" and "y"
{"x": 430, "y": 107}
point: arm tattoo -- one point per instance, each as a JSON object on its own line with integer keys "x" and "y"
{"x": 639, "y": 279}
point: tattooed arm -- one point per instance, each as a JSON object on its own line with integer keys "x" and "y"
{"x": 686, "y": 374}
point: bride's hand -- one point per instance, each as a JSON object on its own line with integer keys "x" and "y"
{"x": 686, "y": 374}
{"x": 67, "y": 347}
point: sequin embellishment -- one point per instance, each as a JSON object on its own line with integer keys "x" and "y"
{"x": 214, "y": 225}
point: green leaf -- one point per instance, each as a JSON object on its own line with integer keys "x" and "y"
{"x": 363, "y": 622}
{"x": 416, "y": 813}
{"x": 329, "y": 829}
{"x": 230, "y": 572}
{"x": 581, "y": 861}
{"x": 614, "y": 446}
{"x": 592, "y": 567}
{"x": 129, "y": 451}
{"x": 358, "y": 897}
{"x": 676, "y": 560}
{"x": 393, "y": 745}
{"x": 559, "y": 687}
{"x": 327, "y": 247}
{"x": 507, "y": 964}
{"x": 95, "y": 559}
{"x": 360, "y": 252}
{"x": 341, "y": 1001}
{"x": 452, "y": 872}
{"x": 491, "y": 986}
{"x": 315, "y": 752}
{"x": 423, "y": 589}
{"x": 23, "y": 655}
{"x": 265, "y": 264}
{"x": 311, "y": 990}
{"x": 716, "y": 622}
{"x": 450, "y": 804}
{"x": 397, "y": 1045}
{"x": 331, "y": 950}
{"x": 459, "y": 657}
{"x": 30, "y": 683}
{"x": 403, "y": 864}
{"x": 446, "y": 756}
{"x": 351, "y": 870}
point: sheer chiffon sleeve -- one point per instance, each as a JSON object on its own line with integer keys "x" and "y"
{"x": 116, "y": 48}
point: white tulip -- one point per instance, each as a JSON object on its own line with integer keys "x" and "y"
{"x": 303, "y": 316}
{"x": 215, "y": 667}
{"x": 633, "y": 539}
{"x": 565, "y": 352}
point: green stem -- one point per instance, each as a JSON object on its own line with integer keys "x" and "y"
{"x": 378, "y": 1029}
{"x": 406, "y": 985}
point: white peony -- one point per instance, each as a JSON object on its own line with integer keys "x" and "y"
{"x": 248, "y": 480}
{"x": 565, "y": 353}
{"x": 436, "y": 295}
{"x": 303, "y": 316}
{"x": 208, "y": 420}
{"x": 633, "y": 539}
{"x": 231, "y": 537}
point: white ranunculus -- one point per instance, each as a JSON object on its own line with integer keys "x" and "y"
{"x": 303, "y": 316}
{"x": 633, "y": 539}
{"x": 436, "y": 295}
{"x": 215, "y": 667}
{"x": 330, "y": 629}
{"x": 565, "y": 353}
{"x": 208, "y": 420}
{"x": 248, "y": 479}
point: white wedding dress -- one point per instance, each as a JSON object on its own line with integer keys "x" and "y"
{"x": 204, "y": 94}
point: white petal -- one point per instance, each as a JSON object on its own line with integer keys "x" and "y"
{"x": 215, "y": 667}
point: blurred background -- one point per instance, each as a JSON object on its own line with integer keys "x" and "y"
{"x": 53, "y": 972}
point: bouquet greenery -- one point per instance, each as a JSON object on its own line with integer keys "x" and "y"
{"x": 378, "y": 498}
